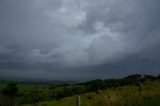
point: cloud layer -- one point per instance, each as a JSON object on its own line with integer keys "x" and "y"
{"x": 60, "y": 36}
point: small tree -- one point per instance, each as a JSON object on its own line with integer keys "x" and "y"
{"x": 10, "y": 92}
{"x": 97, "y": 84}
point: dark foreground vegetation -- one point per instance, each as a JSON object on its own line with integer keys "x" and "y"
{"x": 131, "y": 90}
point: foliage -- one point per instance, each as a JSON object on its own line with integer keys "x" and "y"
{"x": 121, "y": 96}
{"x": 10, "y": 93}
{"x": 33, "y": 94}
{"x": 97, "y": 84}
{"x": 10, "y": 90}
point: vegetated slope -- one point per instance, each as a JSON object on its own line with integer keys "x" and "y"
{"x": 120, "y": 96}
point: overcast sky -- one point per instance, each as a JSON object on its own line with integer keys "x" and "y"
{"x": 79, "y": 39}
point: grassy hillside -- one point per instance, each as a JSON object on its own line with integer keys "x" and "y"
{"x": 120, "y": 96}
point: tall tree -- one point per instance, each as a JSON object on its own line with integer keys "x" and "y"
{"x": 10, "y": 93}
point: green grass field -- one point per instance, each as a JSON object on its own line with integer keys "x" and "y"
{"x": 121, "y": 96}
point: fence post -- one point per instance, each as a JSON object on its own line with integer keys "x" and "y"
{"x": 140, "y": 82}
{"x": 140, "y": 86}
{"x": 78, "y": 101}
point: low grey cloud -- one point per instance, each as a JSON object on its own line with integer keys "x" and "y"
{"x": 68, "y": 36}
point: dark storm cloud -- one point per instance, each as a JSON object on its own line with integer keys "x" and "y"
{"x": 63, "y": 37}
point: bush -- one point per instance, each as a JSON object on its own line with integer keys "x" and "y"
{"x": 33, "y": 96}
